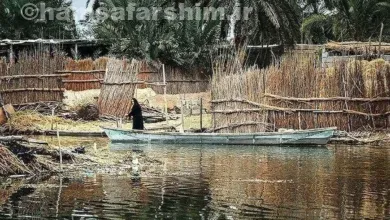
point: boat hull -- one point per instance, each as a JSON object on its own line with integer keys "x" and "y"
{"x": 306, "y": 137}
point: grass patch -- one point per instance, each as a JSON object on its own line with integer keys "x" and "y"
{"x": 193, "y": 122}
{"x": 29, "y": 121}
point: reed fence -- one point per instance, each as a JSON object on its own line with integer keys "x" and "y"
{"x": 297, "y": 93}
{"x": 233, "y": 95}
{"x": 118, "y": 87}
{"x": 32, "y": 79}
{"x": 88, "y": 74}
{"x": 84, "y": 74}
{"x": 178, "y": 81}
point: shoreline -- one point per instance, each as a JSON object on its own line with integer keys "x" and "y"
{"x": 341, "y": 137}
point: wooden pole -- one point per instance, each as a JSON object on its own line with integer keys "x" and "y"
{"x": 201, "y": 114}
{"x": 59, "y": 197}
{"x": 191, "y": 106}
{"x": 11, "y": 54}
{"x": 1, "y": 101}
{"x": 380, "y": 39}
{"x": 52, "y": 118}
{"x": 214, "y": 119}
{"x": 182, "y": 117}
{"x": 346, "y": 102}
{"x": 76, "y": 51}
{"x": 299, "y": 120}
{"x": 59, "y": 145}
{"x": 136, "y": 91}
{"x": 165, "y": 95}
{"x": 2, "y": 108}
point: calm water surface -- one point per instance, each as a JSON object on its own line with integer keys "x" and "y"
{"x": 212, "y": 182}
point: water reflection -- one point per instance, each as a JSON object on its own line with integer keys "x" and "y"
{"x": 220, "y": 182}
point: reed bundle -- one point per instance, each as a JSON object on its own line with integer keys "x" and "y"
{"x": 119, "y": 87}
{"x": 10, "y": 164}
{"x": 85, "y": 74}
{"x": 359, "y": 47}
{"x": 32, "y": 78}
{"x": 297, "y": 93}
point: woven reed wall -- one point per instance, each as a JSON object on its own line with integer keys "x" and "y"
{"x": 32, "y": 79}
{"x": 85, "y": 74}
{"x": 298, "y": 94}
{"x": 178, "y": 81}
{"x": 118, "y": 87}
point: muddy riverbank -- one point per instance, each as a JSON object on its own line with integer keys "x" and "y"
{"x": 96, "y": 157}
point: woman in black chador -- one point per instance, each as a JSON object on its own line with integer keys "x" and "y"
{"x": 136, "y": 113}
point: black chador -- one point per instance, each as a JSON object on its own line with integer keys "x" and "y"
{"x": 136, "y": 113}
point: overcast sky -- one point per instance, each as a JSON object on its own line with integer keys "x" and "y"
{"x": 79, "y": 5}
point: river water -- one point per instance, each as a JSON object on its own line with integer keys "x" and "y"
{"x": 219, "y": 182}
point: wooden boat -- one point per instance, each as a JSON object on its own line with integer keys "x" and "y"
{"x": 302, "y": 137}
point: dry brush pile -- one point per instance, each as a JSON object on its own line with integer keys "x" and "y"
{"x": 17, "y": 156}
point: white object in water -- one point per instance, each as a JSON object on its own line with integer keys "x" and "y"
{"x": 135, "y": 160}
{"x": 285, "y": 130}
{"x": 135, "y": 165}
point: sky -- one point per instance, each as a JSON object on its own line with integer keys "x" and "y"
{"x": 79, "y": 5}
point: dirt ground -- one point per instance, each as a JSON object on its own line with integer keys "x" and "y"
{"x": 30, "y": 120}
{"x": 73, "y": 100}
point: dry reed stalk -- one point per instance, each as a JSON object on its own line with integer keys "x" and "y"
{"x": 115, "y": 97}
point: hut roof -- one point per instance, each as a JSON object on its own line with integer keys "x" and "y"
{"x": 5, "y": 42}
{"x": 358, "y": 47}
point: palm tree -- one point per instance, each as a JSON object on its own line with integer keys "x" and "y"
{"x": 360, "y": 19}
{"x": 270, "y": 21}
{"x": 188, "y": 42}
{"x": 347, "y": 20}
{"x": 316, "y": 6}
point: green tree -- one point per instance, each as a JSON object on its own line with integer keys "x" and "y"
{"x": 14, "y": 26}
